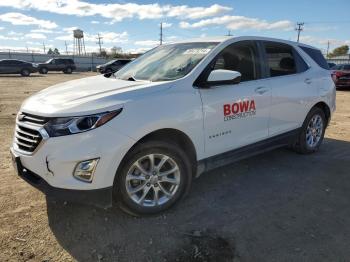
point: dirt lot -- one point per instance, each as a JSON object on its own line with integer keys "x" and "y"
{"x": 279, "y": 206}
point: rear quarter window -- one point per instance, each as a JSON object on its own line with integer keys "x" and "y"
{"x": 317, "y": 56}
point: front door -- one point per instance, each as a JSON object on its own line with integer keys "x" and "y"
{"x": 236, "y": 115}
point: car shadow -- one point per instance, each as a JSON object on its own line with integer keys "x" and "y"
{"x": 276, "y": 206}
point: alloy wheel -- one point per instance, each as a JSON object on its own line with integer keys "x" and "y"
{"x": 314, "y": 131}
{"x": 152, "y": 180}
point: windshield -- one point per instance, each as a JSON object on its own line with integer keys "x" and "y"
{"x": 166, "y": 62}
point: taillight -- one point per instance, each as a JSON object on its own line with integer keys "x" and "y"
{"x": 339, "y": 74}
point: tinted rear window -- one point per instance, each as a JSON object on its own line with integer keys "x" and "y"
{"x": 317, "y": 56}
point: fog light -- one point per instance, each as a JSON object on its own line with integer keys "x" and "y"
{"x": 85, "y": 170}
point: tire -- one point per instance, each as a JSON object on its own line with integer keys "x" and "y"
{"x": 43, "y": 70}
{"x": 25, "y": 72}
{"x": 68, "y": 70}
{"x": 312, "y": 132}
{"x": 145, "y": 183}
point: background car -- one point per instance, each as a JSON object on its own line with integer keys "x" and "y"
{"x": 341, "y": 75}
{"x": 112, "y": 66}
{"x": 65, "y": 65}
{"x": 12, "y": 66}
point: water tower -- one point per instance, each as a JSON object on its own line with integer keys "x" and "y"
{"x": 79, "y": 43}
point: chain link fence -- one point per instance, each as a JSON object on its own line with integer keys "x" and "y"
{"x": 83, "y": 62}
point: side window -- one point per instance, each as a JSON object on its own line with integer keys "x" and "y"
{"x": 281, "y": 59}
{"x": 346, "y": 67}
{"x": 317, "y": 56}
{"x": 241, "y": 57}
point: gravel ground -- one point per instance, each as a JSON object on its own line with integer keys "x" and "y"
{"x": 279, "y": 206}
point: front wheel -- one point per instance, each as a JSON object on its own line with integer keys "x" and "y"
{"x": 43, "y": 70}
{"x": 153, "y": 178}
{"x": 312, "y": 132}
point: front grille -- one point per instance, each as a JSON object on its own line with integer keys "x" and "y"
{"x": 27, "y": 135}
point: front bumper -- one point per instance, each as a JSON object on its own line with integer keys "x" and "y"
{"x": 50, "y": 167}
{"x": 98, "y": 197}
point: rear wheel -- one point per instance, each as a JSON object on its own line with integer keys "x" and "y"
{"x": 25, "y": 72}
{"x": 312, "y": 133}
{"x": 68, "y": 70}
{"x": 153, "y": 178}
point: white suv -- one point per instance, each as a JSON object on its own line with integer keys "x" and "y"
{"x": 139, "y": 137}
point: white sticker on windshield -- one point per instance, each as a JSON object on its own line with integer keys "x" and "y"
{"x": 197, "y": 51}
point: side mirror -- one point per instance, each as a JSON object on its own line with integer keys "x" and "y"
{"x": 223, "y": 77}
{"x": 107, "y": 75}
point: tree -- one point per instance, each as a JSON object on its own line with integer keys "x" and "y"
{"x": 339, "y": 51}
{"x": 56, "y": 52}
{"x": 116, "y": 50}
{"x": 103, "y": 53}
{"x": 53, "y": 52}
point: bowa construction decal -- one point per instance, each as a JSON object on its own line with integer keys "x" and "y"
{"x": 240, "y": 109}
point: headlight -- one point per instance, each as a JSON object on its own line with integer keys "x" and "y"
{"x": 62, "y": 126}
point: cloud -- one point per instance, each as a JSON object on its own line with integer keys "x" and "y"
{"x": 118, "y": 12}
{"x": 167, "y": 25}
{"x": 151, "y": 43}
{"x": 108, "y": 37}
{"x": 185, "y": 12}
{"x": 21, "y": 19}
{"x": 41, "y": 30}
{"x": 15, "y": 38}
{"x": 239, "y": 22}
{"x": 35, "y": 36}
{"x": 307, "y": 39}
{"x": 1, "y": 28}
{"x": 95, "y": 22}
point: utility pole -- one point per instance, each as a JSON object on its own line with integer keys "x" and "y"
{"x": 161, "y": 34}
{"x": 44, "y": 47}
{"x": 327, "y": 48}
{"x": 299, "y": 28}
{"x": 65, "y": 43}
{"x": 99, "y": 42}
{"x": 229, "y": 33}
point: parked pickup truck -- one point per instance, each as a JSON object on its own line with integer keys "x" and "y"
{"x": 139, "y": 137}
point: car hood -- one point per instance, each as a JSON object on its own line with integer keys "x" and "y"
{"x": 89, "y": 95}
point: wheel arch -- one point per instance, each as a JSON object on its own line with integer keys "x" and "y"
{"x": 325, "y": 108}
{"x": 171, "y": 135}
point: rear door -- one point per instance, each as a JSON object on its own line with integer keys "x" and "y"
{"x": 236, "y": 115}
{"x": 292, "y": 88}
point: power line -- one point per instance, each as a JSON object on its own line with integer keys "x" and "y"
{"x": 299, "y": 28}
{"x": 99, "y": 42}
{"x": 161, "y": 34}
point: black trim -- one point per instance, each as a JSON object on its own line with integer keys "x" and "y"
{"x": 97, "y": 197}
{"x": 250, "y": 150}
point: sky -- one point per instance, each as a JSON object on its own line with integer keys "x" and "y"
{"x": 134, "y": 26}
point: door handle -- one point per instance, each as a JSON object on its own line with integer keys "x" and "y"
{"x": 261, "y": 90}
{"x": 308, "y": 81}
